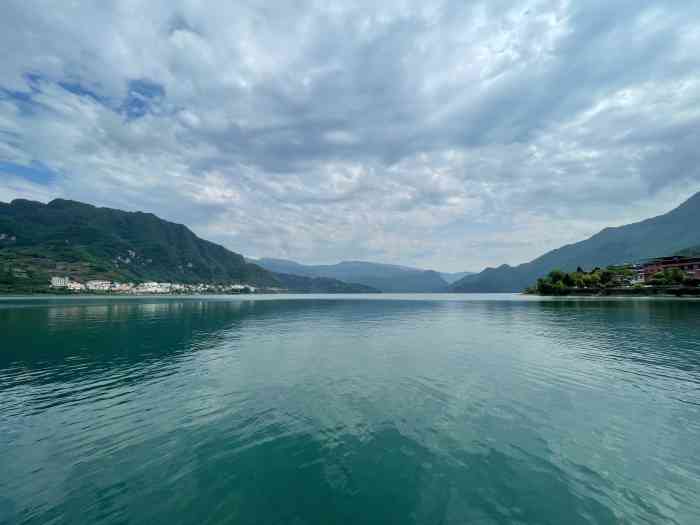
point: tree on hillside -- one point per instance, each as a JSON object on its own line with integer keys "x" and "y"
{"x": 569, "y": 280}
{"x": 668, "y": 277}
{"x": 556, "y": 276}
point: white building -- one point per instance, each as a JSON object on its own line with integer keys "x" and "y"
{"x": 638, "y": 277}
{"x": 242, "y": 287}
{"x": 65, "y": 282}
{"x": 122, "y": 287}
{"x": 153, "y": 287}
{"x": 60, "y": 282}
{"x": 99, "y": 286}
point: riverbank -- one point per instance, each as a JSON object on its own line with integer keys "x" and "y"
{"x": 646, "y": 291}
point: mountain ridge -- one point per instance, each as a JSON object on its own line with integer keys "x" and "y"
{"x": 663, "y": 234}
{"x": 81, "y": 240}
{"x": 384, "y": 277}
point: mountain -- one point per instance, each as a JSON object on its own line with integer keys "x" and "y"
{"x": 305, "y": 284}
{"x": 384, "y": 277}
{"x": 86, "y": 242}
{"x": 454, "y": 277}
{"x": 693, "y": 251}
{"x": 109, "y": 242}
{"x": 284, "y": 266}
{"x": 655, "y": 237}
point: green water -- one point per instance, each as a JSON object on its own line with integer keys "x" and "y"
{"x": 322, "y": 410}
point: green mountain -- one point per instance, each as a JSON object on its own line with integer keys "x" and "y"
{"x": 383, "y": 277}
{"x": 655, "y": 237}
{"x": 86, "y": 242}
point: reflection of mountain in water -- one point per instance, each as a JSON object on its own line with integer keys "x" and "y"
{"x": 322, "y": 410}
{"x": 119, "y": 333}
{"x": 125, "y": 332}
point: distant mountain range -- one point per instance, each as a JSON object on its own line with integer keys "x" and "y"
{"x": 454, "y": 277}
{"x": 693, "y": 251}
{"x": 384, "y": 277}
{"x": 86, "y": 242}
{"x": 306, "y": 284}
{"x": 666, "y": 234}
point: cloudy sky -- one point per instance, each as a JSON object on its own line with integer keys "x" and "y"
{"x": 450, "y": 135}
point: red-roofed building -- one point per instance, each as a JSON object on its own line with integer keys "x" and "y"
{"x": 689, "y": 265}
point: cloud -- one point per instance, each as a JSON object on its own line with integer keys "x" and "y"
{"x": 14, "y": 187}
{"x": 452, "y": 135}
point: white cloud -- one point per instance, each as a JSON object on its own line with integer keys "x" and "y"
{"x": 13, "y": 187}
{"x": 452, "y": 135}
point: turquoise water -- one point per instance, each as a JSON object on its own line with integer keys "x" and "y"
{"x": 322, "y": 410}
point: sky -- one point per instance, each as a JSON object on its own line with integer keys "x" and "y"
{"x": 447, "y": 135}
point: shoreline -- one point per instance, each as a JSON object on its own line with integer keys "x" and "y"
{"x": 449, "y": 297}
{"x": 650, "y": 291}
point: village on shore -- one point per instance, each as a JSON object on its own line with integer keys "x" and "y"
{"x": 147, "y": 288}
{"x": 675, "y": 274}
{"x": 678, "y": 275}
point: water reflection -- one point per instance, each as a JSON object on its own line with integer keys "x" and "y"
{"x": 321, "y": 411}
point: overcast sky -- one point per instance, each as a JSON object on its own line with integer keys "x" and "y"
{"x": 448, "y": 135}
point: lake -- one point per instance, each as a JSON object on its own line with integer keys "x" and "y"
{"x": 428, "y": 409}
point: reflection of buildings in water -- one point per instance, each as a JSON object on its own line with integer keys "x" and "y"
{"x": 73, "y": 314}
{"x": 121, "y": 310}
{"x": 101, "y": 312}
{"x": 58, "y": 313}
{"x": 155, "y": 309}
{"x": 97, "y": 312}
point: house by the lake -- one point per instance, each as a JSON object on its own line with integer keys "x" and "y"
{"x": 689, "y": 265}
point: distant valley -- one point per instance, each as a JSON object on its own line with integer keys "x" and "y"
{"x": 384, "y": 277}
{"x": 454, "y": 276}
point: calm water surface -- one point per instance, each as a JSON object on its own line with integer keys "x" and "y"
{"x": 322, "y": 410}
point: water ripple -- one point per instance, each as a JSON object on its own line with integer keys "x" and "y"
{"x": 404, "y": 409}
